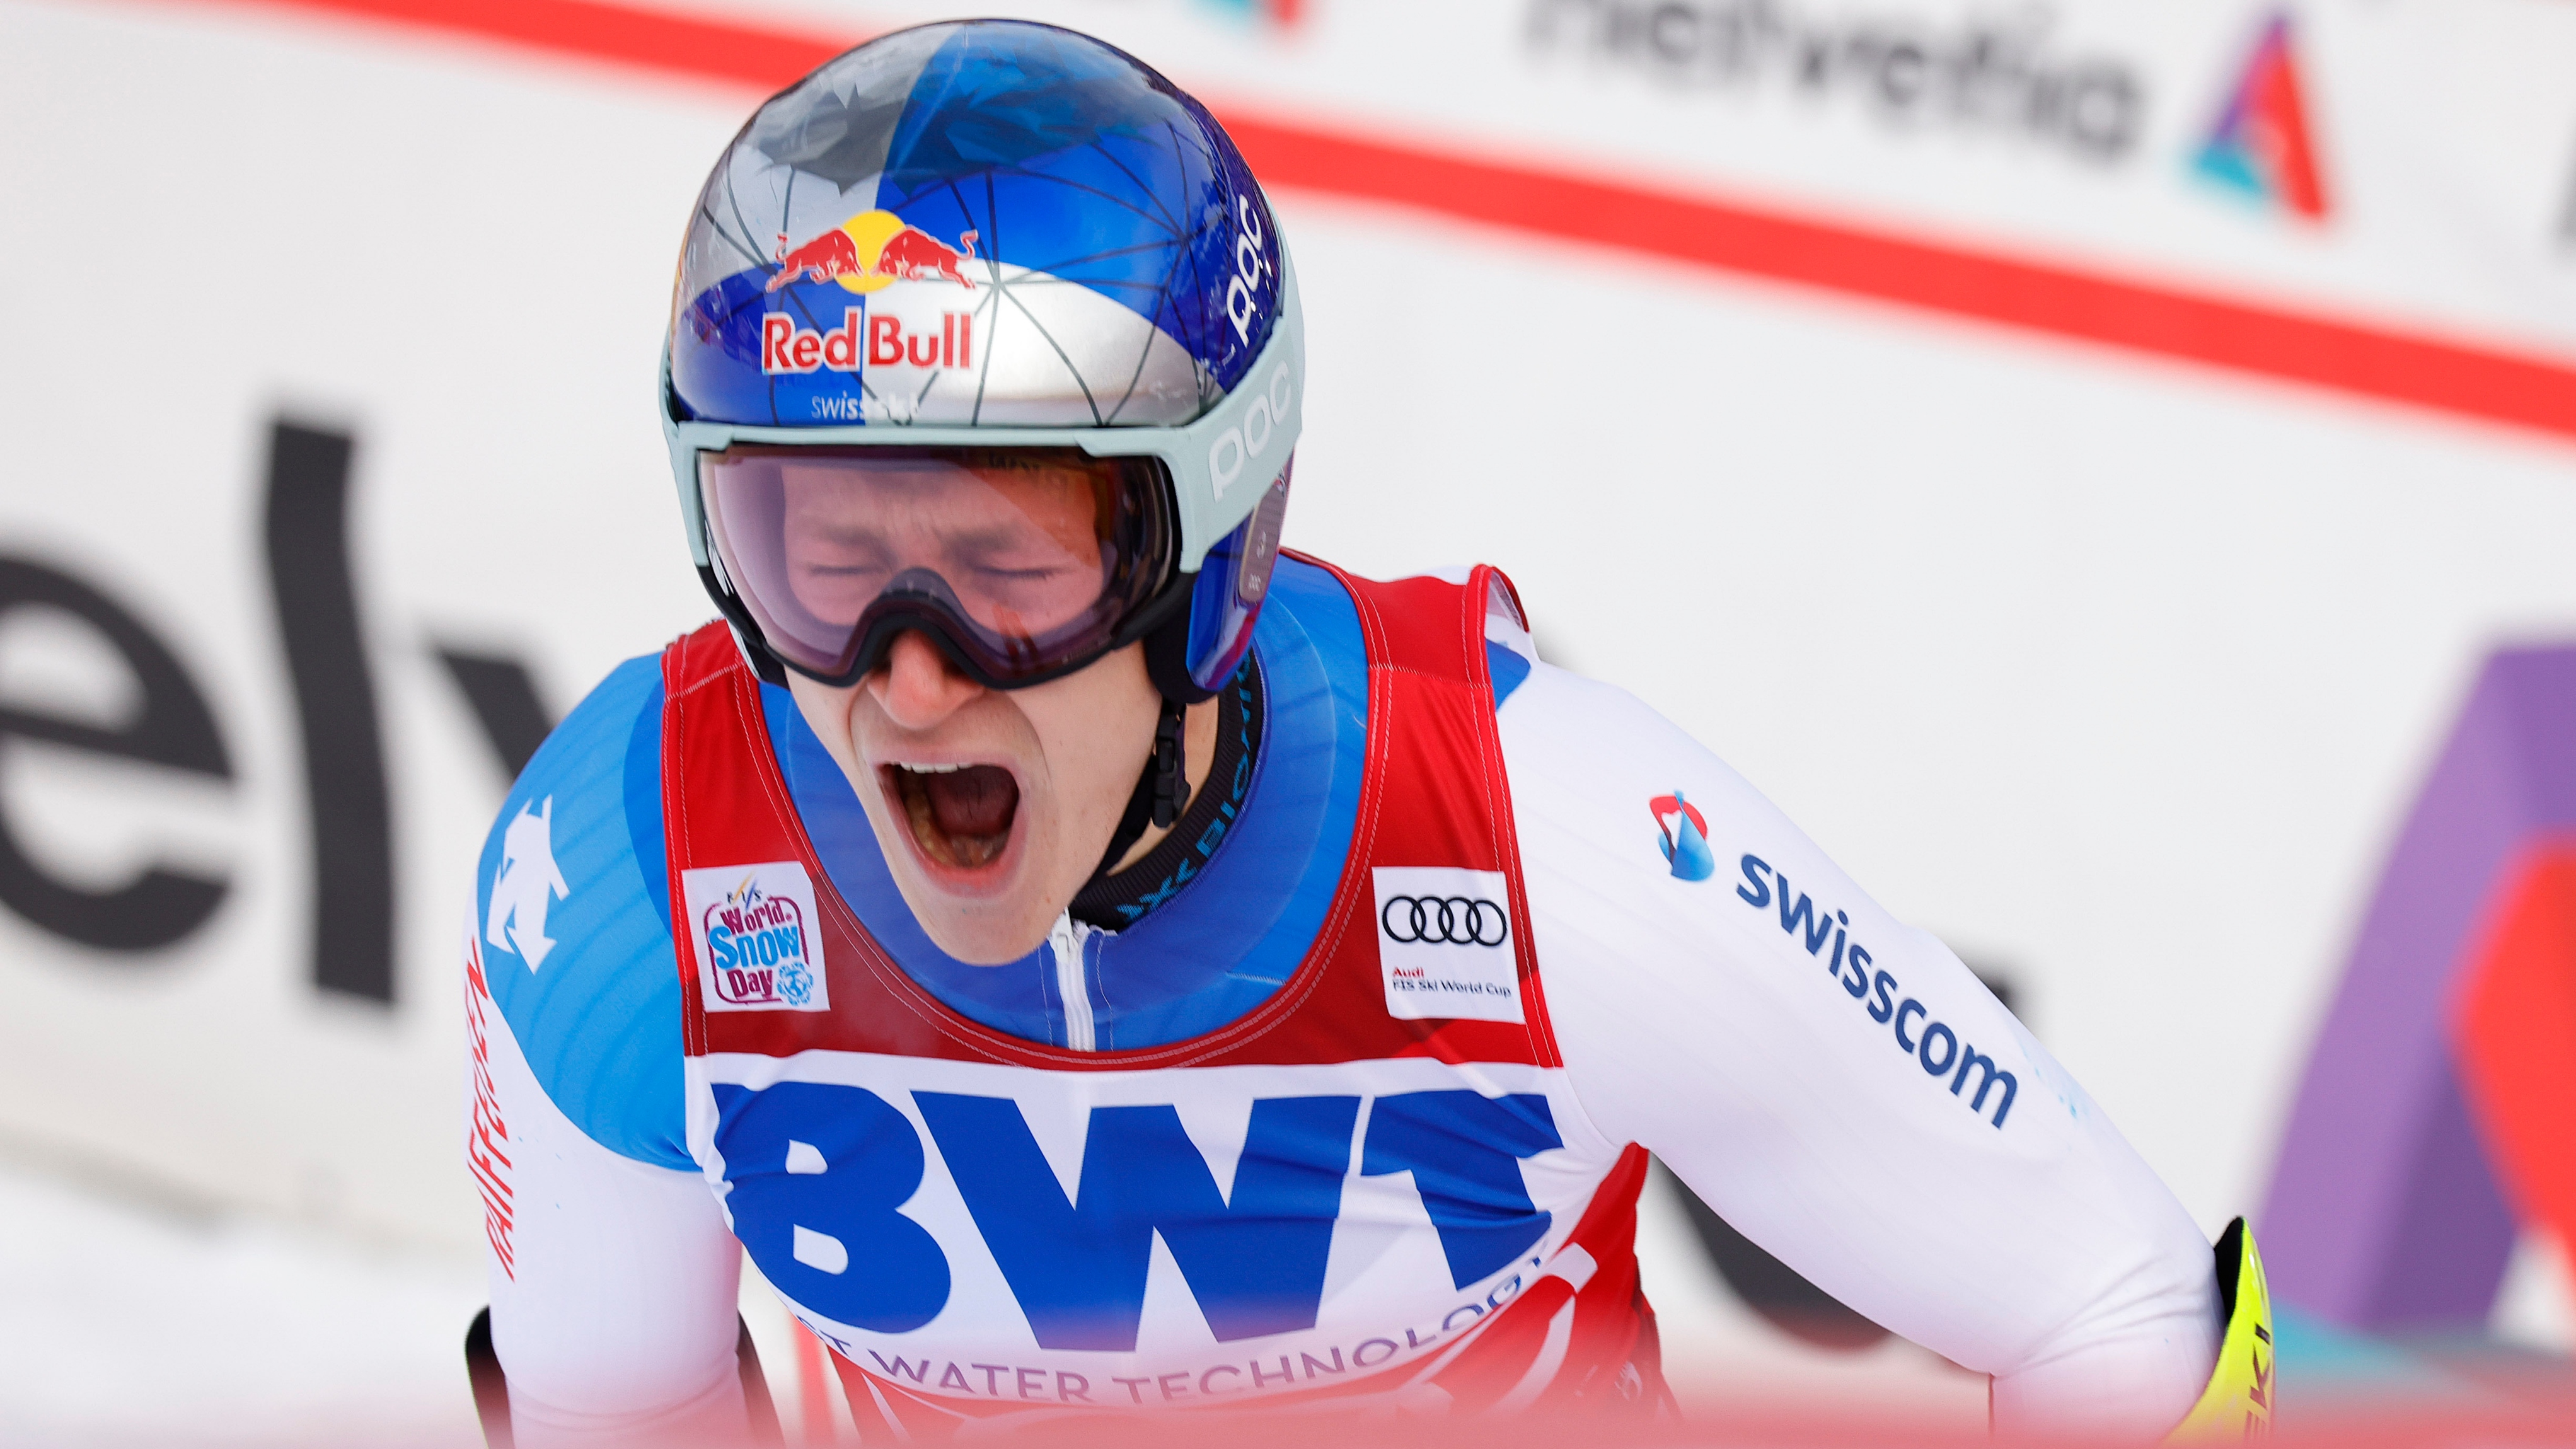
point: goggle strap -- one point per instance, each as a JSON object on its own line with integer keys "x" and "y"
{"x": 1167, "y": 647}
{"x": 764, "y": 661}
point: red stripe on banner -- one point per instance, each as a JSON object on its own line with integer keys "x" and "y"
{"x": 702, "y": 48}
{"x": 2041, "y": 298}
{"x": 2426, "y": 372}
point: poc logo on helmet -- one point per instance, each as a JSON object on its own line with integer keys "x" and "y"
{"x": 1238, "y": 447}
{"x": 1250, "y": 267}
{"x": 1444, "y": 944}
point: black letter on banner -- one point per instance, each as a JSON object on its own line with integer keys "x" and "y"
{"x": 2567, "y": 219}
{"x": 505, "y": 703}
{"x": 173, "y": 727}
{"x": 335, "y": 705}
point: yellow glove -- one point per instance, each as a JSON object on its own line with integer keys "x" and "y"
{"x": 2238, "y": 1402}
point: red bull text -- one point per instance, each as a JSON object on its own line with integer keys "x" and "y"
{"x": 788, "y": 348}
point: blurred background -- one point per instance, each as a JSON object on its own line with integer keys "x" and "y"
{"x": 2107, "y": 470}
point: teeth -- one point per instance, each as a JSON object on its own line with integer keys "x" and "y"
{"x": 930, "y": 769}
{"x": 925, "y": 825}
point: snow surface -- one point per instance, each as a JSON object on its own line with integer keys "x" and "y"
{"x": 129, "y": 1318}
{"x": 129, "y": 1322}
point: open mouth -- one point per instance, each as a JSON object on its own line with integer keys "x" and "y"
{"x": 960, "y": 814}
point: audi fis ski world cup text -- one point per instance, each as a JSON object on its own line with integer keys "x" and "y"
{"x": 1444, "y": 943}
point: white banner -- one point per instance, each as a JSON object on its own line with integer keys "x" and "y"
{"x": 2073, "y": 457}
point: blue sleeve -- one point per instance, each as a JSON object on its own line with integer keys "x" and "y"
{"x": 572, "y": 900}
{"x": 1504, "y": 670}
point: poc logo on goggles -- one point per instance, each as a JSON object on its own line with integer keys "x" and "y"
{"x": 1244, "y": 444}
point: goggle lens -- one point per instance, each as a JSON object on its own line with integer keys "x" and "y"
{"x": 1026, "y": 561}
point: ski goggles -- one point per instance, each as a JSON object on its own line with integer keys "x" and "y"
{"x": 1024, "y": 552}
{"x": 1022, "y": 563}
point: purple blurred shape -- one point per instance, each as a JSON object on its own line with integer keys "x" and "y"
{"x": 2384, "y": 1211}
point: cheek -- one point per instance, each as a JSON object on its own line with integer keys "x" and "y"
{"x": 830, "y": 714}
{"x": 1097, "y": 733}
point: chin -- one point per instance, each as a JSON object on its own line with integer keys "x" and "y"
{"x": 979, "y": 939}
{"x": 985, "y": 928}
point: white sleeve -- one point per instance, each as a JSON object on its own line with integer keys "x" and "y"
{"x": 1819, "y": 1073}
{"x": 613, "y": 1281}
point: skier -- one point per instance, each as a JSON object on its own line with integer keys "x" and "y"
{"x": 1095, "y": 962}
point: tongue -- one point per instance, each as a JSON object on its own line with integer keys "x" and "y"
{"x": 974, "y": 803}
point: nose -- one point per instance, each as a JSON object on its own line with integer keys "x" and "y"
{"x": 918, "y": 687}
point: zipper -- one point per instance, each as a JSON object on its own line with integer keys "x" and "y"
{"x": 1066, "y": 941}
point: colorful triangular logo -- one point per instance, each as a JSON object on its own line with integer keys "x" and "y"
{"x": 1281, "y": 13}
{"x": 2262, "y": 145}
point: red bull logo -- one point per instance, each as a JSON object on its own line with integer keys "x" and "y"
{"x": 877, "y": 341}
{"x": 874, "y": 249}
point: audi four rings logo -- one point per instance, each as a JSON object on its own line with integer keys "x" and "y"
{"x": 1451, "y": 920}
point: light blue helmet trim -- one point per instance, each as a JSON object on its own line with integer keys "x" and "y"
{"x": 1221, "y": 465}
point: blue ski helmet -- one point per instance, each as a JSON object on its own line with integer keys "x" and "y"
{"x": 978, "y": 236}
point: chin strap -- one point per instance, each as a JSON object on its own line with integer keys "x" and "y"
{"x": 1169, "y": 770}
{"x": 2237, "y": 1404}
{"x": 1160, "y": 791}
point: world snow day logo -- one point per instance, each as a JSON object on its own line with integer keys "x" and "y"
{"x": 756, "y": 947}
{"x": 754, "y": 929}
